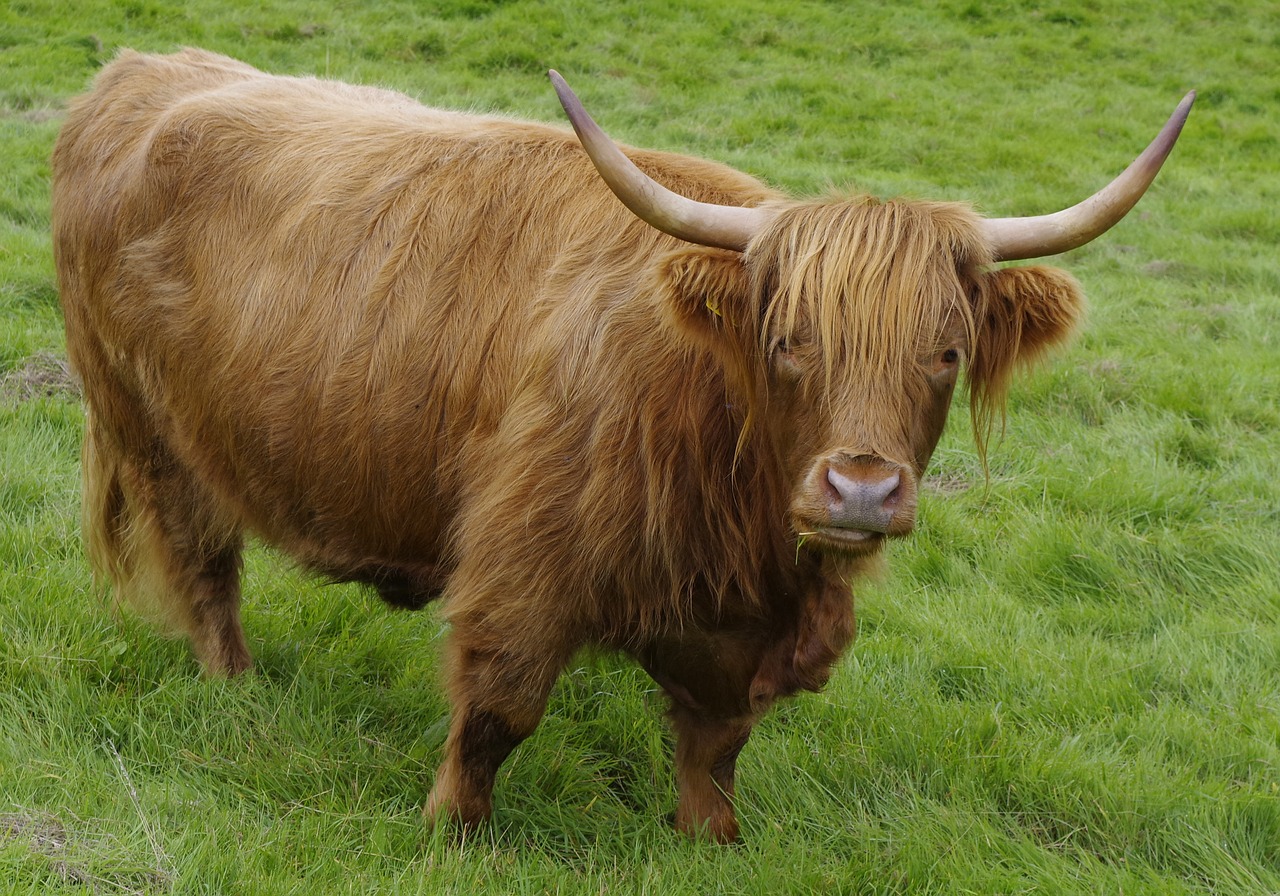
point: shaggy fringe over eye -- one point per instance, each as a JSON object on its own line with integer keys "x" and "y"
{"x": 867, "y": 283}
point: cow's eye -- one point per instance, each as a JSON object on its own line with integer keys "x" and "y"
{"x": 946, "y": 364}
{"x": 785, "y": 361}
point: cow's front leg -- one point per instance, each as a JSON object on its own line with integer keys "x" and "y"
{"x": 706, "y": 757}
{"x": 499, "y": 693}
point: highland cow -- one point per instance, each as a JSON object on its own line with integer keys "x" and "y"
{"x": 434, "y": 353}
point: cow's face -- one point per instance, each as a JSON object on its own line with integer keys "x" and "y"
{"x": 851, "y": 322}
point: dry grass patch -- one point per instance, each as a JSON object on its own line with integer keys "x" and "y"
{"x": 81, "y": 855}
{"x": 42, "y": 375}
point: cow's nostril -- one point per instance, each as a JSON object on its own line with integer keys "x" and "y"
{"x": 835, "y": 486}
{"x": 894, "y": 497}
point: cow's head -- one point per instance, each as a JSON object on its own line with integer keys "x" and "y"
{"x": 850, "y": 321}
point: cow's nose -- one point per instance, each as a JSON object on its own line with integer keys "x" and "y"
{"x": 865, "y": 497}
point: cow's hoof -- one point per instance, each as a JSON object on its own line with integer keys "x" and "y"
{"x": 722, "y": 829}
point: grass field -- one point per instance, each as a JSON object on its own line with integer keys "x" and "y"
{"x": 1068, "y": 681}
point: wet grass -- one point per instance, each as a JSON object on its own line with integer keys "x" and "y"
{"x": 1065, "y": 684}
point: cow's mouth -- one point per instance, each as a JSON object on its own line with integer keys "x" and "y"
{"x": 833, "y": 538}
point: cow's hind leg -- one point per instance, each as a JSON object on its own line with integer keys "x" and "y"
{"x": 158, "y": 535}
{"x": 706, "y": 758}
{"x": 499, "y": 684}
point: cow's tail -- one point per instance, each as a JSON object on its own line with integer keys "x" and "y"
{"x": 120, "y": 533}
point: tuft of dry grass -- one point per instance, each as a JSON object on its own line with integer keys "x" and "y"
{"x": 42, "y": 375}
{"x": 83, "y": 854}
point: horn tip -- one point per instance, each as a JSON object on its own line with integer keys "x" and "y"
{"x": 1184, "y": 108}
{"x": 565, "y": 94}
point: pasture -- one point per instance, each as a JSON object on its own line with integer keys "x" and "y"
{"x": 1067, "y": 681}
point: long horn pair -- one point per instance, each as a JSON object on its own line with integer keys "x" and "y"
{"x": 731, "y": 227}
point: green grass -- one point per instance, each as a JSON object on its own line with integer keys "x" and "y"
{"x": 1068, "y": 681}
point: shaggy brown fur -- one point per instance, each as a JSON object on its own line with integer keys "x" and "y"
{"x": 431, "y": 352}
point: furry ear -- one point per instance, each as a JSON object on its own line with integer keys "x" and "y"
{"x": 1023, "y": 312}
{"x": 707, "y": 299}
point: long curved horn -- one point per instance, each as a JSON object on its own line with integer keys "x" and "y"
{"x": 1035, "y": 237}
{"x": 723, "y": 226}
